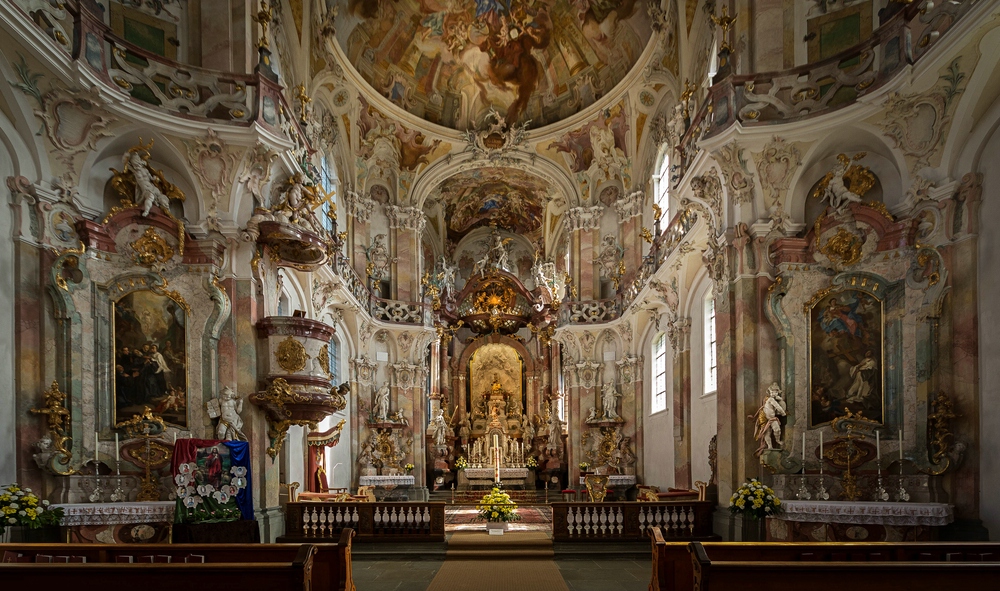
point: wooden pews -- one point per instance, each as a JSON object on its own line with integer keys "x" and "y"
{"x": 683, "y": 566}
{"x": 151, "y": 567}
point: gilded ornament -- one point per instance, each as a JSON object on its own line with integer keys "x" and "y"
{"x": 844, "y": 248}
{"x": 324, "y": 359}
{"x": 59, "y": 421}
{"x": 859, "y": 179}
{"x": 291, "y": 355}
{"x": 940, "y": 424}
{"x": 151, "y": 248}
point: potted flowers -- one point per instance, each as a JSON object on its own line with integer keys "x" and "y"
{"x": 22, "y": 511}
{"x": 461, "y": 463}
{"x": 497, "y": 509}
{"x": 531, "y": 463}
{"x": 408, "y": 468}
{"x": 584, "y": 467}
{"x": 754, "y": 502}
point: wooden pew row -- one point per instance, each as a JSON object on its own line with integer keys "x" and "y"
{"x": 715, "y": 575}
{"x": 328, "y": 566}
{"x": 673, "y": 568}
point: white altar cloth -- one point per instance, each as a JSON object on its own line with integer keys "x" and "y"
{"x": 905, "y": 514}
{"x": 117, "y": 513}
{"x": 616, "y": 479}
{"x": 490, "y": 473}
{"x": 388, "y": 480}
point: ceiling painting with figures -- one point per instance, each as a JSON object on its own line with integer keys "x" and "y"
{"x": 846, "y": 356}
{"x": 505, "y": 197}
{"x": 450, "y": 62}
{"x": 149, "y": 357}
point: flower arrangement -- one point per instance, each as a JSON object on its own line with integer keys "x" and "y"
{"x": 195, "y": 497}
{"x": 531, "y": 462}
{"x": 497, "y": 506}
{"x": 584, "y": 466}
{"x": 408, "y": 468}
{"x": 755, "y": 500}
{"x": 20, "y": 506}
{"x": 461, "y": 463}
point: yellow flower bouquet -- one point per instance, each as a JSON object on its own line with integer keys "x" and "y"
{"x": 497, "y": 506}
{"x": 20, "y": 506}
{"x": 755, "y": 500}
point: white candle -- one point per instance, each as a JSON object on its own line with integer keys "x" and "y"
{"x": 878, "y": 447}
{"x": 821, "y": 449}
{"x": 117, "y": 458}
{"x": 175, "y": 437}
{"x": 96, "y": 444}
{"x": 803, "y": 447}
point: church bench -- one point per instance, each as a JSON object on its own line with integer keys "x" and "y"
{"x": 331, "y": 563}
{"x": 859, "y": 575}
{"x": 673, "y": 568}
{"x": 161, "y": 576}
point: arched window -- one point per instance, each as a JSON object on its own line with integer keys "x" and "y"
{"x": 663, "y": 189}
{"x": 328, "y": 183}
{"x": 659, "y": 399}
{"x": 711, "y": 358}
{"x": 334, "y": 356}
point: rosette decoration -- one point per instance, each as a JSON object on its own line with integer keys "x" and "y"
{"x": 212, "y": 480}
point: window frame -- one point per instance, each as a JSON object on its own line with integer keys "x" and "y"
{"x": 711, "y": 359}
{"x": 658, "y": 393}
{"x": 662, "y": 189}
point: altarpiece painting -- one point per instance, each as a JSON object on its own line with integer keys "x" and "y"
{"x": 846, "y": 356}
{"x": 150, "y": 362}
{"x": 495, "y": 363}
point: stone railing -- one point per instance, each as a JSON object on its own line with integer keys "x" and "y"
{"x": 178, "y": 89}
{"x": 397, "y": 311}
{"x": 825, "y": 86}
{"x": 625, "y": 520}
{"x": 373, "y": 522}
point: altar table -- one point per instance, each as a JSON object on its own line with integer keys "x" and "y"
{"x": 616, "y": 480}
{"x": 388, "y": 483}
{"x": 832, "y": 521}
{"x": 516, "y": 477}
{"x": 116, "y": 523}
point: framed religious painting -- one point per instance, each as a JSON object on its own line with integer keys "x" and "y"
{"x": 150, "y": 357}
{"x": 846, "y": 356}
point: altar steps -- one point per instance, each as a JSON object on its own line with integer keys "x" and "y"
{"x": 471, "y": 497}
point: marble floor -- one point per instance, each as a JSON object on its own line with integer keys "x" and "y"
{"x": 579, "y": 574}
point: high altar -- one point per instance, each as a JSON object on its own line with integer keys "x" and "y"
{"x": 498, "y": 455}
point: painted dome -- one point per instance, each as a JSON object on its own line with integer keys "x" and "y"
{"x": 450, "y": 61}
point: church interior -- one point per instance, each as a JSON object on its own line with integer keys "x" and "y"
{"x": 535, "y": 294}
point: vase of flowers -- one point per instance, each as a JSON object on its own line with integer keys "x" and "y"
{"x": 754, "y": 502}
{"x": 408, "y": 468}
{"x": 497, "y": 509}
{"x": 531, "y": 462}
{"x": 26, "y": 518}
{"x": 461, "y": 463}
{"x": 584, "y": 467}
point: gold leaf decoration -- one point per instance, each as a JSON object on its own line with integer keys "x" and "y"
{"x": 291, "y": 355}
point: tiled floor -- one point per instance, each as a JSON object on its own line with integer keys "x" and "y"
{"x": 579, "y": 574}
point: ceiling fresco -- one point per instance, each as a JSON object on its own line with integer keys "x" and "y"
{"x": 509, "y": 198}
{"x": 450, "y": 61}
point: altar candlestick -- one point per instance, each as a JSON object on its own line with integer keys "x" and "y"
{"x": 878, "y": 448}
{"x": 96, "y": 455}
{"x": 900, "y": 446}
{"x": 803, "y": 449}
{"x": 117, "y": 458}
{"x": 821, "y": 450}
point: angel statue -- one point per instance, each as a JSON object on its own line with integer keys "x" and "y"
{"x": 768, "y": 419}
{"x": 227, "y": 408}
{"x": 609, "y": 400}
{"x": 835, "y": 190}
{"x": 147, "y": 194}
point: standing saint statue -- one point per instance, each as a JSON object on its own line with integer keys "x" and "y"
{"x": 768, "y": 418}
{"x": 227, "y": 408}
{"x": 609, "y": 400}
{"x": 380, "y": 410}
{"x": 439, "y": 428}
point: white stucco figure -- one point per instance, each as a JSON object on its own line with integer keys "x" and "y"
{"x": 836, "y": 192}
{"x": 381, "y": 407}
{"x": 230, "y": 424}
{"x": 439, "y": 428}
{"x": 768, "y": 417}
{"x": 609, "y": 400}
{"x": 147, "y": 194}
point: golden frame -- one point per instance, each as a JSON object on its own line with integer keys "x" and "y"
{"x": 859, "y": 285}
{"x": 185, "y": 309}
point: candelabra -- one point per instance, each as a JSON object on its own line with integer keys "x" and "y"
{"x": 880, "y": 493}
{"x": 901, "y": 494}
{"x": 803, "y": 493}
{"x": 98, "y": 493}
{"x": 821, "y": 493}
{"x": 118, "y": 495}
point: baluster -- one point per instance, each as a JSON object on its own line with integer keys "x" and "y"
{"x": 587, "y": 518}
{"x": 619, "y": 518}
{"x": 378, "y": 517}
{"x": 314, "y": 518}
{"x": 409, "y": 518}
{"x": 394, "y": 519}
{"x": 604, "y": 520}
{"x": 322, "y": 521}
{"x": 690, "y": 519}
{"x": 427, "y": 519}
{"x": 642, "y": 520}
{"x": 354, "y": 517}
{"x": 571, "y": 520}
{"x": 305, "y": 521}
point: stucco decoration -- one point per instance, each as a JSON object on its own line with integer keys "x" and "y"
{"x": 733, "y": 163}
{"x": 451, "y": 63}
{"x": 776, "y": 164}
{"x": 214, "y": 164}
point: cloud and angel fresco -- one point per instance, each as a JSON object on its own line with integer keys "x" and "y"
{"x": 845, "y": 356}
{"x": 450, "y": 61}
{"x": 507, "y": 197}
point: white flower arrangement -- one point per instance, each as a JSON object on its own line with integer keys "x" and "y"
{"x": 755, "y": 500}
